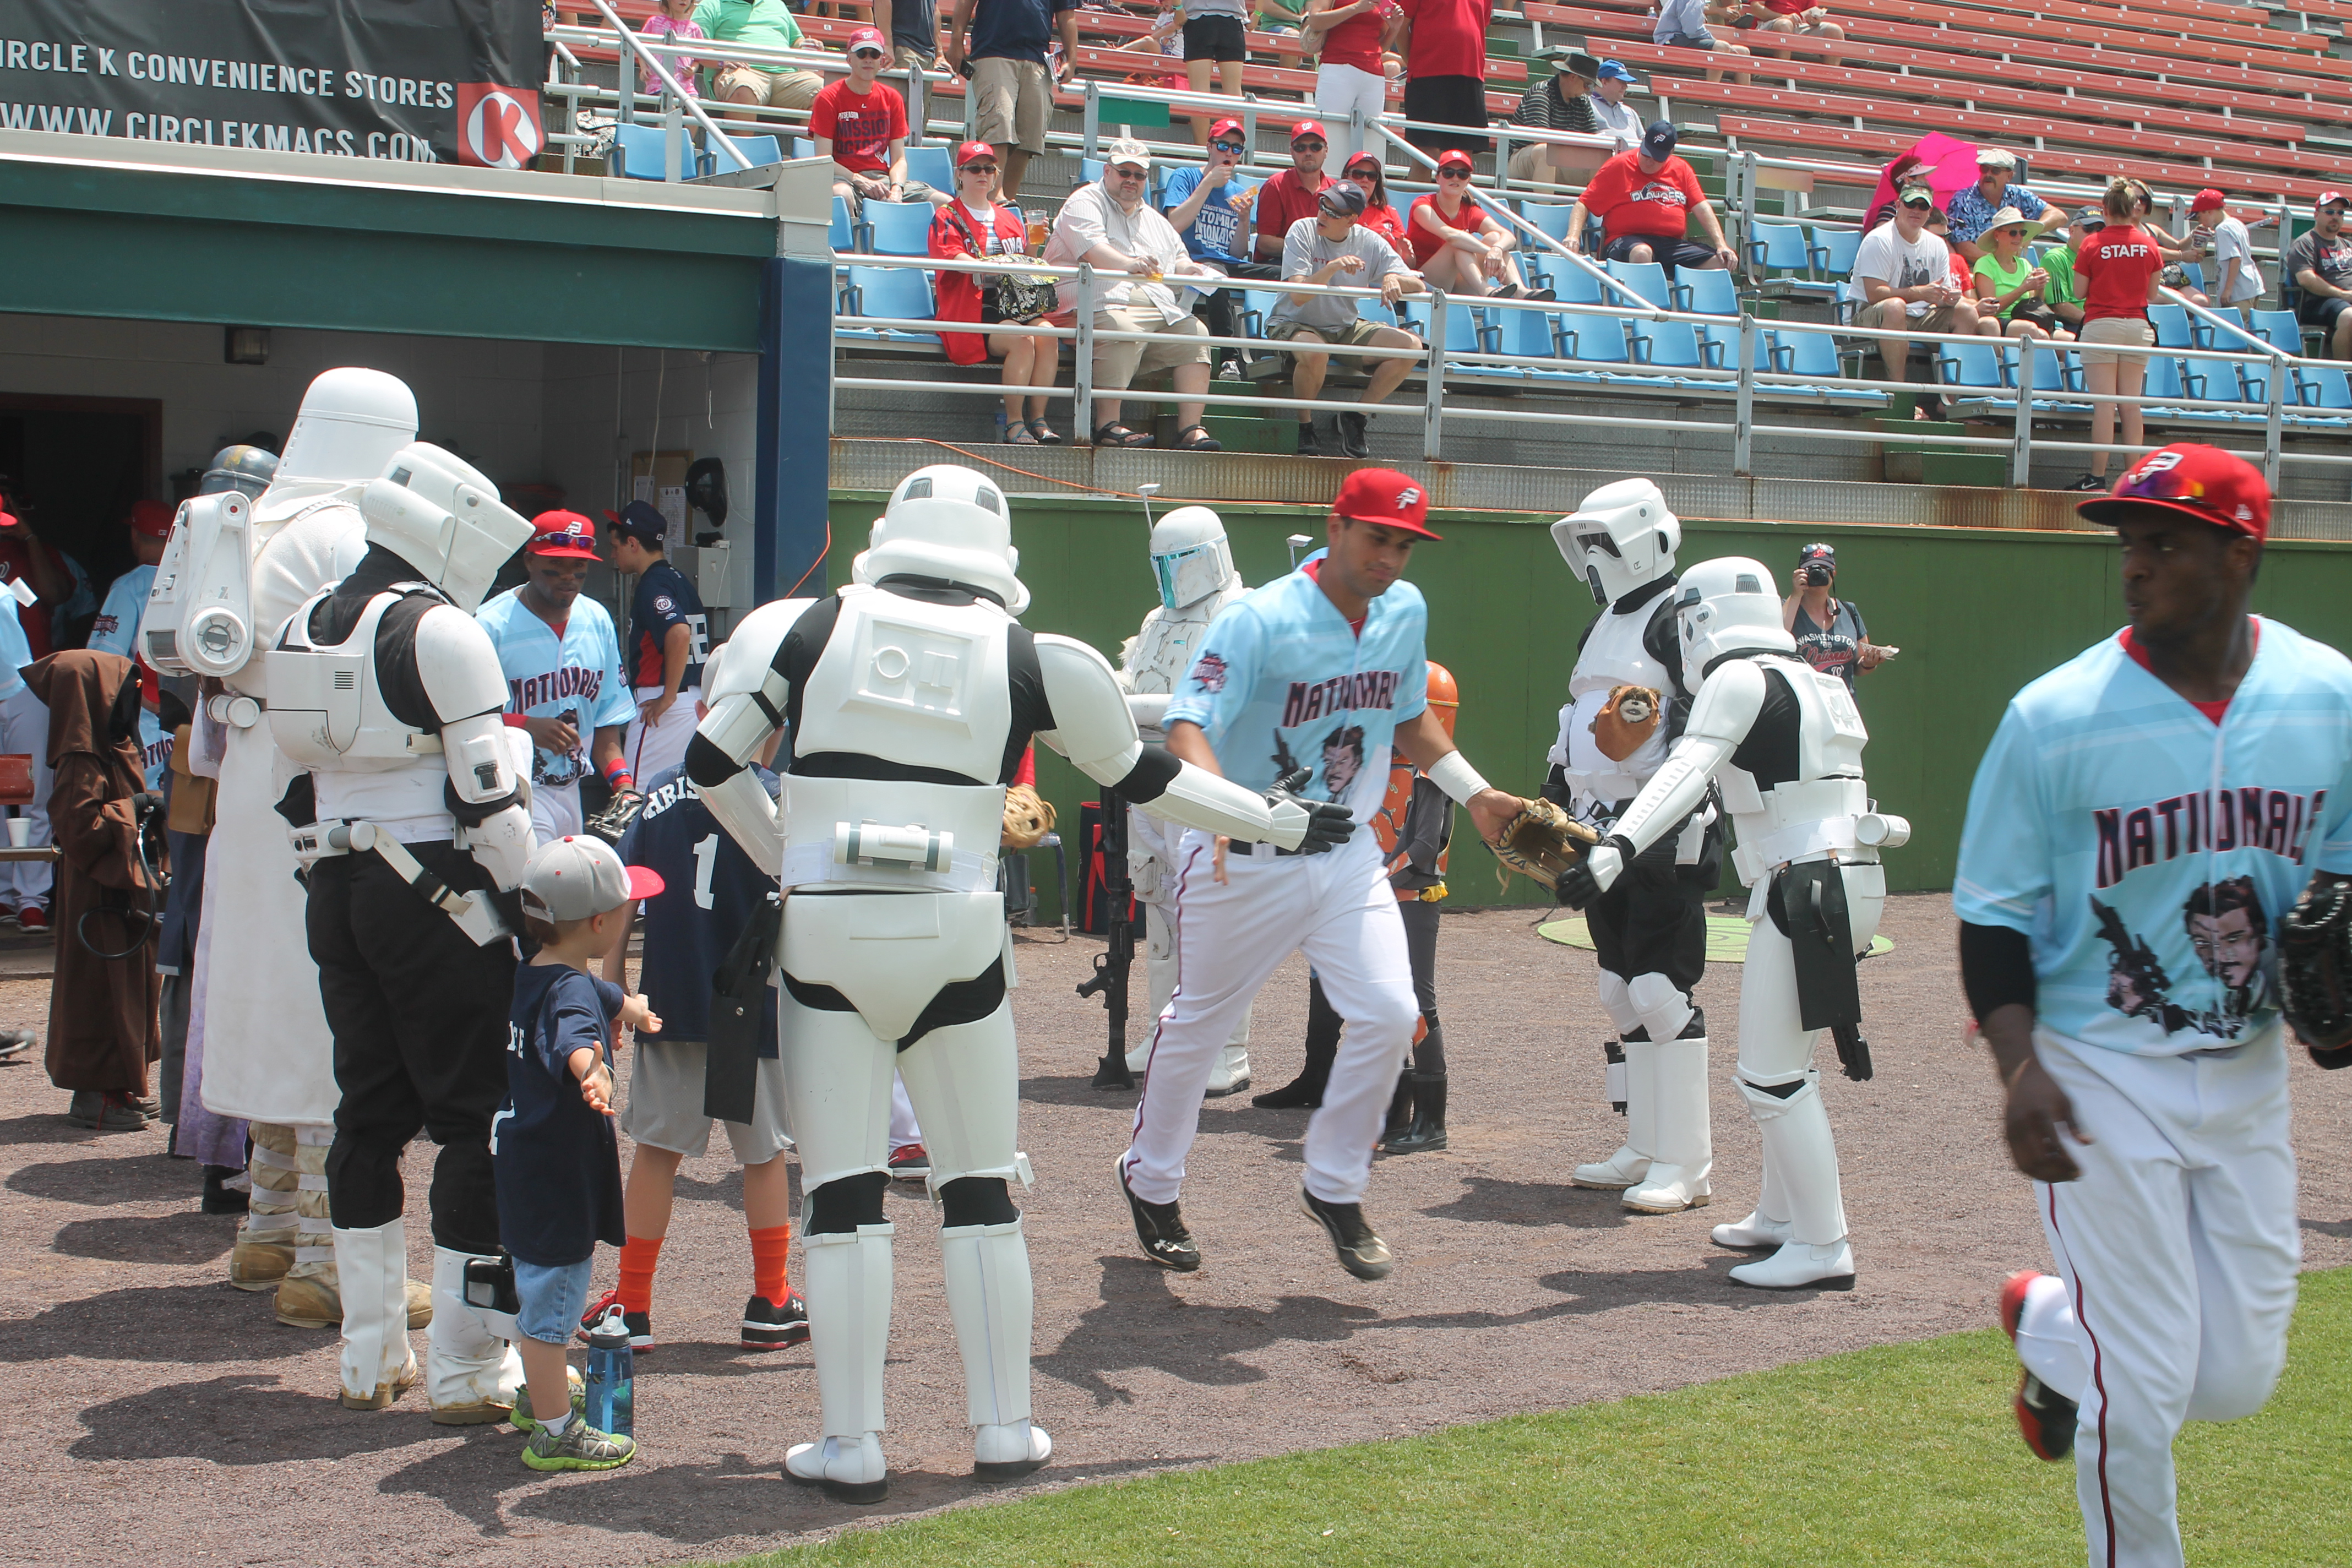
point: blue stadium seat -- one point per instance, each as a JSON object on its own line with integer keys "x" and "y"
{"x": 1832, "y": 250}
{"x": 1720, "y": 347}
{"x": 843, "y": 237}
{"x": 900, "y": 292}
{"x": 1667, "y": 345}
{"x": 1551, "y": 218}
{"x": 2171, "y": 324}
{"x": 803, "y": 146}
{"x": 2323, "y": 386}
{"x": 2054, "y": 374}
{"x": 1980, "y": 365}
{"x": 900, "y": 228}
{"x": 1647, "y": 278}
{"x": 1575, "y": 285}
{"x": 2211, "y": 378}
{"x": 1781, "y": 248}
{"x": 933, "y": 167}
{"x": 1258, "y": 306}
{"x": 760, "y": 150}
{"x": 2280, "y": 329}
{"x": 1706, "y": 291}
{"x": 638, "y": 153}
{"x": 1805, "y": 353}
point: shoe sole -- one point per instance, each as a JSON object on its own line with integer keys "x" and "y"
{"x": 844, "y": 1491}
{"x": 1770, "y": 1244}
{"x": 775, "y": 1339}
{"x": 1590, "y": 1186}
{"x": 484, "y": 1415}
{"x": 294, "y": 1322}
{"x": 1229, "y": 1089}
{"x": 1698, "y": 1201}
{"x": 537, "y": 1463}
{"x": 900, "y": 1174}
{"x": 2030, "y": 1427}
{"x": 1179, "y": 1265}
{"x": 1007, "y": 1469}
{"x": 1834, "y": 1282}
{"x": 1431, "y": 1147}
{"x": 1366, "y": 1271}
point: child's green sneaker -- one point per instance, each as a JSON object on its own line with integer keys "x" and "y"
{"x": 521, "y": 1418}
{"x": 581, "y": 1448}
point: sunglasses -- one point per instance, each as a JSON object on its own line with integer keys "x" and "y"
{"x": 979, "y": 168}
{"x": 1453, "y": 173}
{"x": 1127, "y": 174}
{"x": 1363, "y": 171}
{"x": 1309, "y": 146}
{"x": 866, "y": 54}
{"x": 1229, "y": 147}
{"x": 1918, "y": 206}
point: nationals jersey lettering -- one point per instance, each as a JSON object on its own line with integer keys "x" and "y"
{"x": 2148, "y": 852}
{"x": 1283, "y": 682}
{"x": 576, "y": 676}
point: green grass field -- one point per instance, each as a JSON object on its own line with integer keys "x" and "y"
{"x": 1898, "y": 1455}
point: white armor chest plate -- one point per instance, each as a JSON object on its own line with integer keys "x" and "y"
{"x": 911, "y": 682}
{"x": 327, "y": 712}
{"x": 1169, "y": 641}
{"x": 1613, "y": 657}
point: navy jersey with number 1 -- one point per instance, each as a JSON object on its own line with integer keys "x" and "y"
{"x": 709, "y": 892}
{"x": 666, "y": 599}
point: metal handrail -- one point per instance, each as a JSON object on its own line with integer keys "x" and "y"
{"x": 673, "y": 155}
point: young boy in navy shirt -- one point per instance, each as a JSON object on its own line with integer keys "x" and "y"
{"x": 554, "y": 1155}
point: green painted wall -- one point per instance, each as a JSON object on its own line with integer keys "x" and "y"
{"x": 1977, "y": 615}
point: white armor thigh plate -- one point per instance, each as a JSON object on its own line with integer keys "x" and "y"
{"x": 921, "y": 684}
{"x": 889, "y": 954}
{"x": 814, "y": 810}
{"x": 1613, "y": 655}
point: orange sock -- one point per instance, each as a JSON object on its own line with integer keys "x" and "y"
{"x": 769, "y": 1249}
{"x": 638, "y": 1260}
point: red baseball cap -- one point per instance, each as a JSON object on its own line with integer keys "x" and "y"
{"x": 1455, "y": 155}
{"x": 2205, "y": 200}
{"x": 972, "y": 152}
{"x": 1306, "y": 128}
{"x": 1221, "y": 126}
{"x": 866, "y": 38}
{"x": 1385, "y": 497}
{"x": 2329, "y": 198}
{"x": 152, "y": 518}
{"x": 2195, "y": 480}
{"x": 564, "y": 533}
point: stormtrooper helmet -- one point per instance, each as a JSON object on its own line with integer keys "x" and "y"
{"x": 1190, "y": 558}
{"x": 443, "y": 516}
{"x": 1728, "y": 607}
{"x": 245, "y": 469}
{"x": 949, "y": 523}
{"x": 351, "y": 423}
{"x": 1620, "y": 538}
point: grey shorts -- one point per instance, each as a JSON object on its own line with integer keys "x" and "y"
{"x": 665, "y": 1106}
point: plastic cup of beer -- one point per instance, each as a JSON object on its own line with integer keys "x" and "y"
{"x": 1038, "y": 229}
{"x": 20, "y": 833}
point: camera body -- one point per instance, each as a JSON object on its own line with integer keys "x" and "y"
{"x": 1817, "y": 574}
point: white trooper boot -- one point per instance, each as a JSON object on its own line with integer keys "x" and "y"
{"x": 1632, "y": 1162}
{"x": 1682, "y": 1154}
{"x": 1797, "y": 1143}
{"x": 988, "y": 1296}
{"x": 846, "y": 1281}
{"x": 1766, "y": 1226}
{"x": 1232, "y": 1073}
{"x": 470, "y": 1372}
{"x": 378, "y": 1367}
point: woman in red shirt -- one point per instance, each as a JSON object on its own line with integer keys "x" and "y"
{"x": 1379, "y": 214}
{"x": 2119, "y": 271}
{"x": 973, "y": 226}
{"x": 1458, "y": 243}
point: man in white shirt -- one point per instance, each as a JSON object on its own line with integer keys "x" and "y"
{"x": 1906, "y": 275}
{"x": 1333, "y": 248}
{"x": 1110, "y": 224}
{"x": 1616, "y": 117}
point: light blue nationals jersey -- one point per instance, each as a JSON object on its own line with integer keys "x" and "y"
{"x": 116, "y": 630}
{"x": 579, "y": 676}
{"x": 2148, "y": 852}
{"x": 1282, "y": 682}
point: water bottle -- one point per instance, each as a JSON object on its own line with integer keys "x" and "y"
{"x": 612, "y": 1397}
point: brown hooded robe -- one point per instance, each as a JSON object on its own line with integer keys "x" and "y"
{"x": 102, "y": 1021}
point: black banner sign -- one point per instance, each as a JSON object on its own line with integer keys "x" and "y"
{"x": 424, "y": 80}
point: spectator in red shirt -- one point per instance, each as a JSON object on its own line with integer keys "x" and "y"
{"x": 1445, "y": 48}
{"x": 860, "y": 124}
{"x": 1291, "y": 195}
{"x": 1349, "y": 79}
{"x": 1458, "y": 243}
{"x": 2119, "y": 270}
{"x": 1804, "y": 18}
{"x": 1381, "y": 216}
{"x": 1645, "y": 200}
{"x": 976, "y": 227}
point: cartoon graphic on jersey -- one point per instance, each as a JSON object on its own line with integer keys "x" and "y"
{"x": 1208, "y": 673}
{"x": 2231, "y": 937}
{"x": 1343, "y": 759}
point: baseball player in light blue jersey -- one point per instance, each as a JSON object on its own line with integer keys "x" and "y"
{"x": 562, "y": 663}
{"x": 2138, "y": 836}
{"x": 1316, "y": 673}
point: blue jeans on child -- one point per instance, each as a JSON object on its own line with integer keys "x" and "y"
{"x": 552, "y": 1299}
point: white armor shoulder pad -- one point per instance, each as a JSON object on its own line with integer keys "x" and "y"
{"x": 1728, "y": 702}
{"x": 458, "y": 665}
{"x": 751, "y": 648}
{"x": 1092, "y": 726}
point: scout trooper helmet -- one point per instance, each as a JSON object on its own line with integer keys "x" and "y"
{"x": 1620, "y": 538}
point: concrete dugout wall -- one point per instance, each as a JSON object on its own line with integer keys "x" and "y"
{"x": 1976, "y": 613}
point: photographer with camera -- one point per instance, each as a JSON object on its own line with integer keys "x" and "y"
{"x": 1829, "y": 631}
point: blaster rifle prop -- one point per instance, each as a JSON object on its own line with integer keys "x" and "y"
{"x": 1118, "y": 957}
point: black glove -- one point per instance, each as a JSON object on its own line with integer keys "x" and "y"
{"x": 1578, "y": 887}
{"x": 614, "y": 821}
{"x": 1328, "y": 823}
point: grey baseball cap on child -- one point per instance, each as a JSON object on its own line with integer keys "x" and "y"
{"x": 574, "y": 877}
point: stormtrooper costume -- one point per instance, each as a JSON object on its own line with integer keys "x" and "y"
{"x": 1194, "y": 569}
{"x": 1783, "y": 744}
{"x": 1650, "y": 931}
{"x": 225, "y": 587}
{"x": 910, "y": 696}
{"x": 415, "y": 805}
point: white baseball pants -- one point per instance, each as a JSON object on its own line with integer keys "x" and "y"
{"x": 1338, "y": 909}
{"x": 650, "y": 748}
{"x": 555, "y": 811}
{"x": 2179, "y": 1248}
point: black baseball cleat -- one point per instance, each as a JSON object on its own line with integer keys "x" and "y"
{"x": 1161, "y": 1228}
{"x": 1361, "y": 1251}
{"x": 768, "y": 1327}
{"x": 2046, "y": 1420}
{"x": 605, "y": 1314}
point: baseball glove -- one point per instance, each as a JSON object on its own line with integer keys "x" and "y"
{"x": 2316, "y": 969}
{"x": 1627, "y": 720}
{"x": 613, "y": 820}
{"x": 1028, "y": 818}
{"x": 1542, "y": 842}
